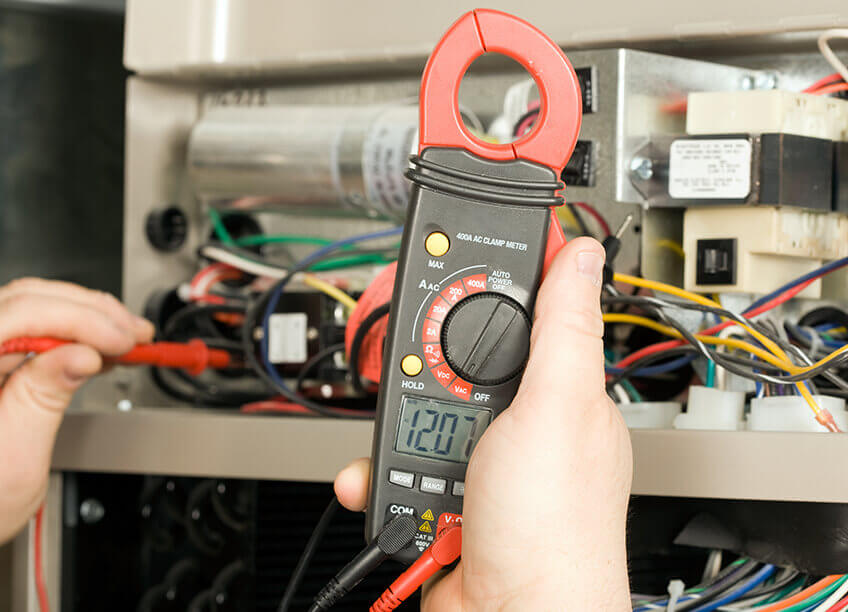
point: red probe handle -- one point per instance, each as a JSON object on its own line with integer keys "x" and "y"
{"x": 194, "y": 356}
{"x": 444, "y": 551}
{"x": 552, "y": 141}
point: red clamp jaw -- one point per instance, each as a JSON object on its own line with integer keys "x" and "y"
{"x": 552, "y": 140}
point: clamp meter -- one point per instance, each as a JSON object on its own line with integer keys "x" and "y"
{"x": 478, "y": 236}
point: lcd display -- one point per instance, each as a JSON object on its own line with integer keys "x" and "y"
{"x": 440, "y": 430}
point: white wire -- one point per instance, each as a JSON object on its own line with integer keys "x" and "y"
{"x": 834, "y": 597}
{"x": 621, "y": 394}
{"x": 721, "y": 373}
{"x": 828, "y": 53}
{"x": 245, "y": 265}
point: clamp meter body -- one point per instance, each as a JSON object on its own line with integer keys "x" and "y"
{"x": 478, "y": 236}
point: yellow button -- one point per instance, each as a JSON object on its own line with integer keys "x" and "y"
{"x": 437, "y": 244}
{"x": 411, "y": 365}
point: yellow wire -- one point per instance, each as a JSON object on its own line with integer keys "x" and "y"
{"x": 334, "y": 292}
{"x": 671, "y": 245}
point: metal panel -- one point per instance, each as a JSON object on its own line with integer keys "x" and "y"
{"x": 707, "y": 464}
{"x": 251, "y": 37}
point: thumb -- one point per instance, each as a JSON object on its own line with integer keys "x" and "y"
{"x": 566, "y": 348}
{"x": 33, "y": 400}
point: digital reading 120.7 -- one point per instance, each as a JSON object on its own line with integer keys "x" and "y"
{"x": 440, "y": 430}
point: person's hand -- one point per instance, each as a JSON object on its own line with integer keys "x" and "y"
{"x": 547, "y": 486}
{"x": 37, "y": 391}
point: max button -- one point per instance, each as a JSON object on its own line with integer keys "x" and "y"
{"x": 437, "y": 244}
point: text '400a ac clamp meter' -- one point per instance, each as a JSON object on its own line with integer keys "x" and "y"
{"x": 478, "y": 235}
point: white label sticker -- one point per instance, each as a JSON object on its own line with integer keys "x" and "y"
{"x": 710, "y": 169}
{"x": 287, "y": 337}
{"x": 385, "y": 158}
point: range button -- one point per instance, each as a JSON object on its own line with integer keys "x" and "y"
{"x": 433, "y": 485}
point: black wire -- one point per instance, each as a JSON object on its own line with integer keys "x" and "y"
{"x": 313, "y": 361}
{"x": 193, "y": 311}
{"x": 356, "y": 345}
{"x": 719, "y": 358}
{"x": 307, "y": 554}
{"x": 250, "y": 319}
{"x": 768, "y": 589}
{"x": 719, "y": 587}
{"x": 584, "y": 229}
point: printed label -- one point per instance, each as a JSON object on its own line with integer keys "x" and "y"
{"x": 710, "y": 169}
{"x": 287, "y": 337}
{"x": 385, "y": 157}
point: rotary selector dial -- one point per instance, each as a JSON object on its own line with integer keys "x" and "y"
{"x": 486, "y": 338}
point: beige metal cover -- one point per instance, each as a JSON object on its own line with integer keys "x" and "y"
{"x": 227, "y": 37}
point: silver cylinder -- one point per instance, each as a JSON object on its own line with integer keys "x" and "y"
{"x": 342, "y": 160}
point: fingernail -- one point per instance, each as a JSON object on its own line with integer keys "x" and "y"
{"x": 144, "y": 327}
{"x": 591, "y": 265}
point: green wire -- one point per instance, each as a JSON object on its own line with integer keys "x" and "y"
{"x": 628, "y": 386}
{"x": 219, "y": 227}
{"x": 818, "y": 597}
{"x": 349, "y": 261}
{"x": 710, "y": 378}
{"x": 282, "y": 239}
{"x": 782, "y": 593}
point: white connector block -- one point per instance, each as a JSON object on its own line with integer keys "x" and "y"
{"x": 715, "y": 409}
{"x": 767, "y": 111}
{"x": 792, "y": 413}
{"x": 650, "y": 415}
{"x": 773, "y": 245}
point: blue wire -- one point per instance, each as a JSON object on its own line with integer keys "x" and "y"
{"x": 657, "y": 369}
{"x": 761, "y": 576}
{"x": 833, "y": 265}
{"x": 274, "y": 298}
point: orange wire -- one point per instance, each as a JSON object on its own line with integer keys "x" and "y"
{"x": 835, "y": 88}
{"x": 802, "y": 595}
{"x": 40, "y": 587}
{"x": 828, "y": 80}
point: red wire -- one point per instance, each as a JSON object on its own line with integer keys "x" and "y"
{"x": 282, "y": 407}
{"x": 839, "y": 605}
{"x": 828, "y": 80}
{"x": 595, "y": 215}
{"x": 40, "y": 587}
{"x": 835, "y": 88}
{"x": 669, "y": 344}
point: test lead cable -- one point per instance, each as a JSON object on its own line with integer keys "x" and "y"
{"x": 442, "y": 552}
{"x": 396, "y": 536}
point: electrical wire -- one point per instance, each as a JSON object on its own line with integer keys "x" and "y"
{"x": 834, "y": 597}
{"x": 312, "y": 362}
{"x": 835, "y": 88}
{"x": 356, "y": 345}
{"x": 578, "y": 218}
{"x": 262, "y": 365}
{"x": 308, "y": 553}
{"x": 827, "y": 52}
{"x": 596, "y": 215}
{"x": 828, "y": 80}
{"x": 263, "y": 269}
{"x": 38, "y": 561}
{"x": 801, "y": 595}
{"x": 736, "y": 593}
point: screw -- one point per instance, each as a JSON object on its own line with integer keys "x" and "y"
{"x": 195, "y": 515}
{"x": 767, "y": 80}
{"x": 125, "y": 405}
{"x": 91, "y": 511}
{"x": 220, "y": 598}
{"x": 170, "y": 485}
{"x": 146, "y": 511}
{"x": 747, "y": 82}
{"x": 642, "y": 168}
{"x": 312, "y": 333}
{"x": 222, "y": 488}
{"x": 326, "y": 391}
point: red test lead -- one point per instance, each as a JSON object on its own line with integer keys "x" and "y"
{"x": 194, "y": 356}
{"x": 444, "y": 551}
